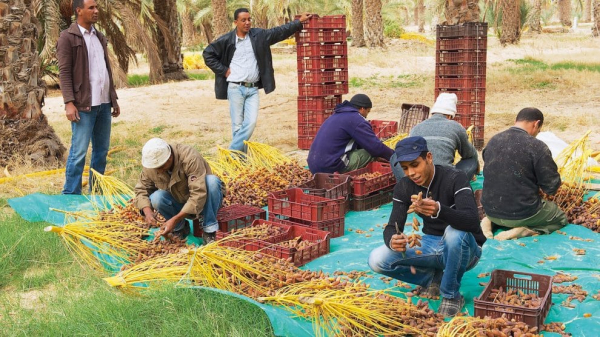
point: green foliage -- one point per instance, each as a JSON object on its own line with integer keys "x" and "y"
{"x": 201, "y": 76}
{"x": 529, "y": 65}
{"x": 392, "y": 29}
{"x": 138, "y": 80}
{"x": 390, "y": 81}
{"x": 158, "y": 129}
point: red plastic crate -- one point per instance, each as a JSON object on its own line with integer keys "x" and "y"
{"x": 468, "y": 43}
{"x": 466, "y": 82}
{"x": 322, "y": 49}
{"x": 253, "y": 244}
{"x": 328, "y": 185}
{"x": 329, "y": 21}
{"x": 313, "y": 117}
{"x": 412, "y": 114}
{"x": 528, "y": 283}
{"x": 304, "y": 142}
{"x": 384, "y": 129}
{"x": 464, "y": 95}
{"x": 363, "y": 187}
{"x": 462, "y": 69}
{"x": 471, "y": 108}
{"x": 461, "y": 56}
{"x": 319, "y": 245}
{"x": 308, "y": 129}
{"x": 318, "y": 103}
{"x": 318, "y": 76}
{"x": 322, "y": 89}
{"x": 335, "y": 226}
{"x": 471, "y": 29}
{"x": 321, "y": 63}
{"x": 294, "y": 203}
{"x": 372, "y": 200}
{"x": 320, "y": 35}
{"x": 238, "y": 216}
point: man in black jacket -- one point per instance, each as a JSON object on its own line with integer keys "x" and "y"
{"x": 242, "y": 63}
{"x": 452, "y": 239}
{"x": 517, "y": 166}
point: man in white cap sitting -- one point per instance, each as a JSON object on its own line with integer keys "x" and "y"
{"x": 178, "y": 183}
{"x": 444, "y": 137}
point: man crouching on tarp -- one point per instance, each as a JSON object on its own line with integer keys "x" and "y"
{"x": 452, "y": 239}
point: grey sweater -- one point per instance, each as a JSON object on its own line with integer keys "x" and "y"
{"x": 444, "y": 137}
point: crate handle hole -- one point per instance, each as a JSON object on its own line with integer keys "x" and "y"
{"x": 521, "y": 276}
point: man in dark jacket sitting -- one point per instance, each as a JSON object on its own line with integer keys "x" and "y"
{"x": 242, "y": 63}
{"x": 346, "y": 140}
{"x": 517, "y": 166}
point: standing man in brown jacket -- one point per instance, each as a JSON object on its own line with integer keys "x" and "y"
{"x": 178, "y": 183}
{"x": 88, "y": 92}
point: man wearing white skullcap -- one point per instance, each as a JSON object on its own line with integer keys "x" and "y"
{"x": 178, "y": 183}
{"x": 444, "y": 137}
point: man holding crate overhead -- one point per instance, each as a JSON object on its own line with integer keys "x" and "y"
{"x": 242, "y": 63}
{"x": 452, "y": 240}
{"x": 346, "y": 141}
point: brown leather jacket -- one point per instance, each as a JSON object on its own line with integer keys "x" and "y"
{"x": 187, "y": 183}
{"x": 74, "y": 68}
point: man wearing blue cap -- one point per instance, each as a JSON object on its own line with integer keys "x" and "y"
{"x": 346, "y": 141}
{"x": 452, "y": 239}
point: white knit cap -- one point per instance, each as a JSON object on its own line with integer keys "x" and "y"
{"x": 155, "y": 153}
{"x": 445, "y": 104}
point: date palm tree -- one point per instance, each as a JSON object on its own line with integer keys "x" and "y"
{"x": 220, "y": 21}
{"x": 24, "y": 130}
{"x": 564, "y": 12}
{"x": 169, "y": 40}
{"x": 373, "y": 24}
{"x": 358, "y": 32}
{"x": 596, "y": 23}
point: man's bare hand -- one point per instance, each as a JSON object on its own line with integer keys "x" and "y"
{"x": 427, "y": 207}
{"x": 227, "y": 73}
{"x": 71, "y": 112}
{"x": 116, "y": 111}
{"x": 149, "y": 216}
{"x": 398, "y": 242}
{"x": 168, "y": 226}
{"x": 304, "y": 17}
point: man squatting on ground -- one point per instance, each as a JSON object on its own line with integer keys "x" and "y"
{"x": 178, "y": 183}
{"x": 517, "y": 166}
{"x": 346, "y": 141}
{"x": 242, "y": 63}
{"x": 445, "y": 137}
{"x": 88, "y": 92}
{"x": 452, "y": 238}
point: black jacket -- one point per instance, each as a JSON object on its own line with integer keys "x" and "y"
{"x": 218, "y": 55}
{"x": 451, "y": 188}
{"x": 516, "y": 167}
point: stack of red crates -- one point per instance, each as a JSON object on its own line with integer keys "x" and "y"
{"x": 461, "y": 52}
{"x": 322, "y": 73}
{"x": 372, "y": 186}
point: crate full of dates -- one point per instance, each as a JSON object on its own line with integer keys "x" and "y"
{"x": 524, "y": 297}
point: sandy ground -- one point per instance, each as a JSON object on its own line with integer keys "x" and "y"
{"x": 188, "y": 111}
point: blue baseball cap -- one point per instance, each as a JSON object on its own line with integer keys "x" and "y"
{"x": 408, "y": 149}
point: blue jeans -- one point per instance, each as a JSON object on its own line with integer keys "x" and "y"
{"x": 243, "y": 108}
{"x": 468, "y": 166}
{"x": 165, "y": 204}
{"x": 95, "y": 126}
{"x": 445, "y": 257}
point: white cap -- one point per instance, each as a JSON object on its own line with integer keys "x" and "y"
{"x": 155, "y": 153}
{"x": 445, "y": 104}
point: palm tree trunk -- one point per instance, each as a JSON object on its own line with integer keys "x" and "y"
{"x": 536, "y": 15}
{"x": 358, "y": 32}
{"x": 374, "y": 24}
{"x": 188, "y": 31}
{"x": 596, "y": 24}
{"x": 208, "y": 32}
{"x": 416, "y": 14}
{"x": 169, "y": 42}
{"x": 221, "y": 23}
{"x": 421, "y": 13}
{"x": 587, "y": 11}
{"x": 564, "y": 12}
{"x": 511, "y": 22}
{"x": 24, "y": 130}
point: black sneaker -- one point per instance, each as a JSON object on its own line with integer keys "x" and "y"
{"x": 208, "y": 238}
{"x": 451, "y": 306}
